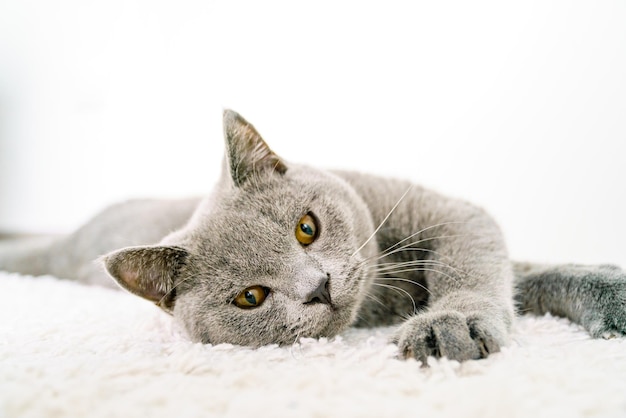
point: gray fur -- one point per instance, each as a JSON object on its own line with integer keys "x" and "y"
{"x": 593, "y": 296}
{"x": 437, "y": 267}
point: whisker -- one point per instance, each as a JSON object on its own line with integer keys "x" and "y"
{"x": 382, "y": 267}
{"x": 400, "y": 279}
{"x": 375, "y": 299}
{"x": 410, "y": 247}
{"x": 454, "y": 279}
{"x": 399, "y": 289}
{"x": 416, "y": 249}
{"x": 427, "y": 250}
{"x": 392, "y": 268}
{"x": 291, "y": 347}
{"x": 384, "y": 220}
{"x": 169, "y": 292}
{"x": 422, "y": 231}
{"x": 420, "y": 241}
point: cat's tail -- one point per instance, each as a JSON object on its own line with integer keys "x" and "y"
{"x": 62, "y": 257}
{"x": 26, "y": 256}
{"x": 592, "y": 296}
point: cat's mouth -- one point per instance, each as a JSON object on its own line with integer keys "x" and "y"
{"x": 343, "y": 303}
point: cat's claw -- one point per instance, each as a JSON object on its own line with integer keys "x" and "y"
{"x": 609, "y": 335}
{"x": 446, "y": 334}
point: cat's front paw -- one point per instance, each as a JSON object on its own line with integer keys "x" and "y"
{"x": 448, "y": 334}
{"x": 604, "y": 314}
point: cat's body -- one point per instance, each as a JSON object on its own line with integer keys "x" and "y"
{"x": 279, "y": 252}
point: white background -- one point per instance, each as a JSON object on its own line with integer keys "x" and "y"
{"x": 517, "y": 106}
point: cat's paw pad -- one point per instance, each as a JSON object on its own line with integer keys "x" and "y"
{"x": 447, "y": 334}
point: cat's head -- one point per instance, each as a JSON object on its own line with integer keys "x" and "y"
{"x": 272, "y": 255}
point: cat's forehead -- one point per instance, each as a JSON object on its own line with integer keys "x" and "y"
{"x": 250, "y": 236}
{"x": 264, "y": 213}
{"x": 288, "y": 193}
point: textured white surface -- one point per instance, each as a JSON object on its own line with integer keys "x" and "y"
{"x": 68, "y": 350}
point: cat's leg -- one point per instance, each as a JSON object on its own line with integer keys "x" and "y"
{"x": 593, "y": 296}
{"x": 470, "y": 310}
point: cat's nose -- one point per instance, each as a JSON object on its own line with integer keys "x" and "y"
{"x": 320, "y": 294}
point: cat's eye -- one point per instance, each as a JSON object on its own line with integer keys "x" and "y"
{"x": 306, "y": 230}
{"x": 251, "y": 297}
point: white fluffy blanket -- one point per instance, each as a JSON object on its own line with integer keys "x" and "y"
{"x": 68, "y": 350}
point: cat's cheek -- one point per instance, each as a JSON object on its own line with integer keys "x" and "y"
{"x": 188, "y": 328}
{"x": 247, "y": 327}
{"x": 305, "y": 320}
{"x": 349, "y": 287}
{"x": 195, "y": 316}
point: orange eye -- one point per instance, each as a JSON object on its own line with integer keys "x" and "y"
{"x": 251, "y": 297}
{"x": 306, "y": 231}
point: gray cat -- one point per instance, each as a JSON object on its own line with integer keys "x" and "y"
{"x": 280, "y": 251}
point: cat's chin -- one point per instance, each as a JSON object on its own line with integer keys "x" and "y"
{"x": 336, "y": 321}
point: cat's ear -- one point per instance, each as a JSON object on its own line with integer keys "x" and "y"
{"x": 246, "y": 152}
{"x": 150, "y": 272}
